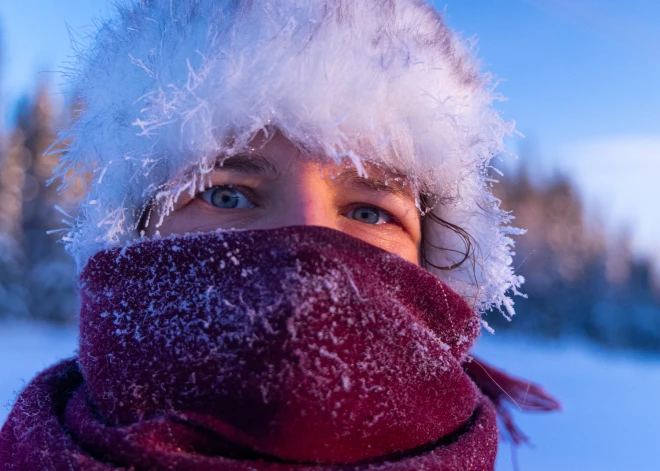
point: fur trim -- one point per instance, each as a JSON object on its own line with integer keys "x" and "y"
{"x": 164, "y": 87}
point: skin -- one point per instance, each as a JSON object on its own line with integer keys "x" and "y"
{"x": 273, "y": 185}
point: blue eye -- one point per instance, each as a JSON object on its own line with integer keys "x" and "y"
{"x": 369, "y": 215}
{"x": 226, "y": 197}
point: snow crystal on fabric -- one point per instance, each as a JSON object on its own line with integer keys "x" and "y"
{"x": 295, "y": 333}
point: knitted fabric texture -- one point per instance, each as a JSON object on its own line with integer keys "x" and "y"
{"x": 289, "y": 349}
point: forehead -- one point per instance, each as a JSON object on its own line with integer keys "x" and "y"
{"x": 277, "y": 156}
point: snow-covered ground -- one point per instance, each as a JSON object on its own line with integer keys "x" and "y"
{"x": 611, "y": 406}
{"x": 610, "y": 421}
{"x": 26, "y": 349}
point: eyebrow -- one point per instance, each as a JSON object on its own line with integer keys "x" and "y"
{"x": 253, "y": 164}
{"x": 373, "y": 182}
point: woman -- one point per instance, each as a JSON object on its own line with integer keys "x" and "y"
{"x": 286, "y": 247}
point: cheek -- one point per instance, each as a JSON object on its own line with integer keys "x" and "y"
{"x": 179, "y": 222}
{"x": 406, "y": 250}
{"x": 166, "y": 228}
{"x": 393, "y": 239}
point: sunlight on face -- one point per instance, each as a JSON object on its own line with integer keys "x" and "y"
{"x": 273, "y": 186}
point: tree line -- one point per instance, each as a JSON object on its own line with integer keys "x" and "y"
{"x": 37, "y": 277}
{"x": 580, "y": 279}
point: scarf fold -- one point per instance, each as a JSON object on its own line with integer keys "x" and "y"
{"x": 290, "y": 349}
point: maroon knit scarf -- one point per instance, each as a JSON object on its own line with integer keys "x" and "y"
{"x": 291, "y": 349}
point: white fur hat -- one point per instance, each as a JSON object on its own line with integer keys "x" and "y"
{"x": 166, "y": 86}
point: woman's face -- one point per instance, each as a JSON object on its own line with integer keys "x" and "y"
{"x": 273, "y": 185}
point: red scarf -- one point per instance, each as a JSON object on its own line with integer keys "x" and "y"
{"x": 291, "y": 349}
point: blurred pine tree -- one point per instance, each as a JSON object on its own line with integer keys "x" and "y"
{"x": 12, "y": 293}
{"x": 580, "y": 282}
{"x": 38, "y": 273}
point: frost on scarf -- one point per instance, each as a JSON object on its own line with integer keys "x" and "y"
{"x": 166, "y": 88}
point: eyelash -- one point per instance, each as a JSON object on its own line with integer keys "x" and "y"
{"x": 390, "y": 219}
{"x": 208, "y": 194}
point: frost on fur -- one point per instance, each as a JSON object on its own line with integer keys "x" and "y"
{"x": 166, "y": 88}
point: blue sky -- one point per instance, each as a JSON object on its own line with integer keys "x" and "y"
{"x": 582, "y": 78}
